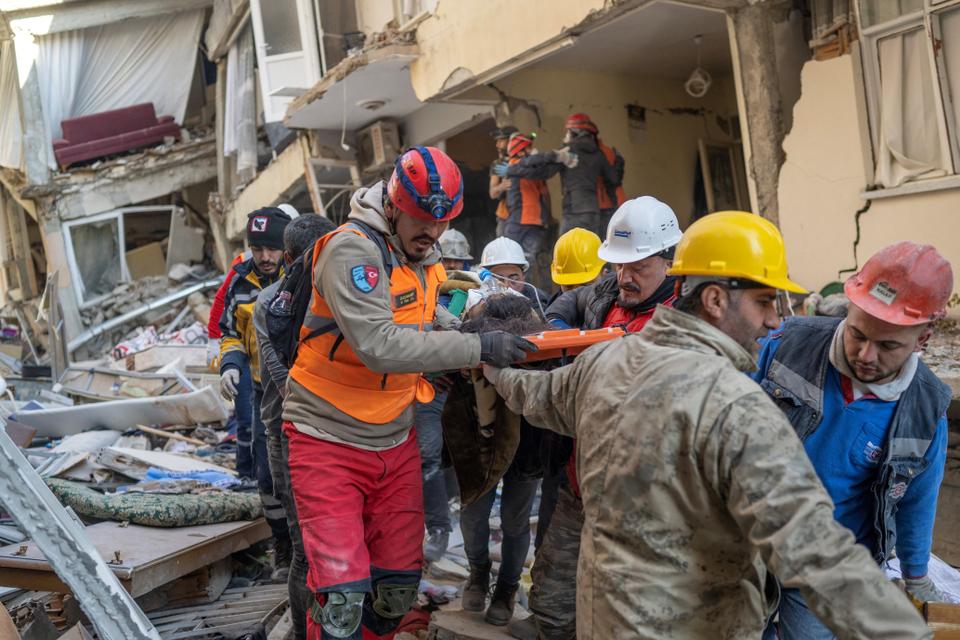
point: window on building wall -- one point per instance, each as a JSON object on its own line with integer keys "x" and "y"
{"x": 119, "y": 246}
{"x": 912, "y": 72}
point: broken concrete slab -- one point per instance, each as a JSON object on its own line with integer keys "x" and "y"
{"x": 457, "y": 624}
{"x": 189, "y": 408}
{"x": 63, "y": 540}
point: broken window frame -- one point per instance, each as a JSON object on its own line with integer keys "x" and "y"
{"x": 118, "y": 215}
{"x": 927, "y": 19}
{"x": 321, "y": 190}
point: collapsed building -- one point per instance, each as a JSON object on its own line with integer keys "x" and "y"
{"x": 136, "y": 136}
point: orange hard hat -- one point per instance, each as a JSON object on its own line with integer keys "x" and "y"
{"x": 581, "y": 121}
{"x": 427, "y": 184}
{"x": 904, "y": 284}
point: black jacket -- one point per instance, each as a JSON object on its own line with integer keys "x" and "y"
{"x": 580, "y": 183}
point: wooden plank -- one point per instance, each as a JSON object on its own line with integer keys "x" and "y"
{"x": 942, "y": 612}
{"x": 149, "y": 556}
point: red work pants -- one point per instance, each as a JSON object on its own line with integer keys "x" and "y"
{"x": 360, "y": 512}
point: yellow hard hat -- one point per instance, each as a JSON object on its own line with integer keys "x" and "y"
{"x": 734, "y": 244}
{"x": 575, "y": 259}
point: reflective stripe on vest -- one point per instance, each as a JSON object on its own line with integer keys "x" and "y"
{"x": 603, "y": 196}
{"x": 330, "y": 369}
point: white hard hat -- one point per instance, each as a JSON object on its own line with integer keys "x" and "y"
{"x": 454, "y": 245}
{"x": 503, "y": 251}
{"x": 290, "y": 210}
{"x": 640, "y": 228}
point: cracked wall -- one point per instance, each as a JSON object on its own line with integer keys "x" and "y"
{"x": 824, "y": 174}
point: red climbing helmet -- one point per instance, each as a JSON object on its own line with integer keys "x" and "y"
{"x": 426, "y": 184}
{"x": 903, "y": 284}
{"x": 581, "y": 121}
{"x": 518, "y": 142}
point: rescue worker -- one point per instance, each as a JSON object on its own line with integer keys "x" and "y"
{"x": 528, "y": 203}
{"x": 238, "y": 351}
{"x": 349, "y": 408}
{"x": 575, "y": 261}
{"x": 640, "y": 243}
{"x": 506, "y": 260}
{"x": 499, "y": 183}
{"x": 299, "y": 236}
{"x": 454, "y": 250}
{"x": 584, "y": 174}
{"x": 871, "y": 415}
{"x": 610, "y": 196}
{"x": 242, "y": 402}
{"x": 694, "y": 485}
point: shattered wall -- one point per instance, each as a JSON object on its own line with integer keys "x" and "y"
{"x": 824, "y": 175}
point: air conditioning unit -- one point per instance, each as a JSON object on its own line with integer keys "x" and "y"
{"x": 378, "y": 146}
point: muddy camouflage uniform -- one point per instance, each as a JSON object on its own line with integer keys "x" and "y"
{"x": 694, "y": 485}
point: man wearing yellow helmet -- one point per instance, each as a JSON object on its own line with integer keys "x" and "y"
{"x": 695, "y": 488}
{"x": 575, "y": 260}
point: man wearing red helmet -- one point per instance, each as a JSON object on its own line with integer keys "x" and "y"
{"x": 586, "y": 175}
{"x": 528, "y": 203}
{"x": 364, "y": 346}
{"x": 871, "y": 415}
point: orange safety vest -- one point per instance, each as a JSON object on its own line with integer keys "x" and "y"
{"x": 328, "y": 366}
{"x": 603, "y": 196}
{"x": 531, "y": 199}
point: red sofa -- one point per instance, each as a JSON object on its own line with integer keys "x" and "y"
{"x": 110, "y": 132}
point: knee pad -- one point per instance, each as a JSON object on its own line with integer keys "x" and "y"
{"x": 393, "y": 601}
{"x": 340, "y": 614}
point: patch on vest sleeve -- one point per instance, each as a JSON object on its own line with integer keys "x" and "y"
{"x": 365, "y": 277}
{"x": 404, "y": 298}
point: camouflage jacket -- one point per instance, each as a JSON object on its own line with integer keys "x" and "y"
{"x": 694, "y": 485}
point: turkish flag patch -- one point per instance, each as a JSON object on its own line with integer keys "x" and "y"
{"x": 365, "y": 277}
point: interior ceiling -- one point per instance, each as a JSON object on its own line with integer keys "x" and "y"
{"x": 655, "y": 40}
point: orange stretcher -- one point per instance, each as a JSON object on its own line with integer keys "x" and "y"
{"x": 567, "y": 343}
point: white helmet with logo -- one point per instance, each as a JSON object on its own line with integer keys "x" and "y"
{"x": 454, "y": 245}
{"x": 503, "y": 251}
{"x": 640, "y": 228}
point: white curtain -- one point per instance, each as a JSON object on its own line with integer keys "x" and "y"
{"x": 950, "y": 28}
{"x": 118, "y": 65}
{"x": 10, "y": 133}
{"x": 240, "y": 107}
{"x": 909, "y": 140}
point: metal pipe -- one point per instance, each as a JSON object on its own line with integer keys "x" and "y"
{"x": 93, "y": 332}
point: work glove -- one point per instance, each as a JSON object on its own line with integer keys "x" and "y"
{"x": 923, "y": 589}
{"x": 492, "y": 374}
{"x": 566, "y": 157}
{"x": 500, "y": 168}
{"x": 229, "y": 381}
{"x": 501, "y": 349}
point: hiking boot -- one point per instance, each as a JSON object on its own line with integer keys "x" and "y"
{"x": 501, "y": 604}
{"x": 475, "y": 591}
{"x": 525, "y": 629}
{"x": 282, "y": 555}
{"x": 435, "y": 545}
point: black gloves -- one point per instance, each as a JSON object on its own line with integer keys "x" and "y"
{"x": 501, "y": 349}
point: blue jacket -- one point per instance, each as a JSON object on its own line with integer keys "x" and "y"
{"x": 881, "y": 462}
